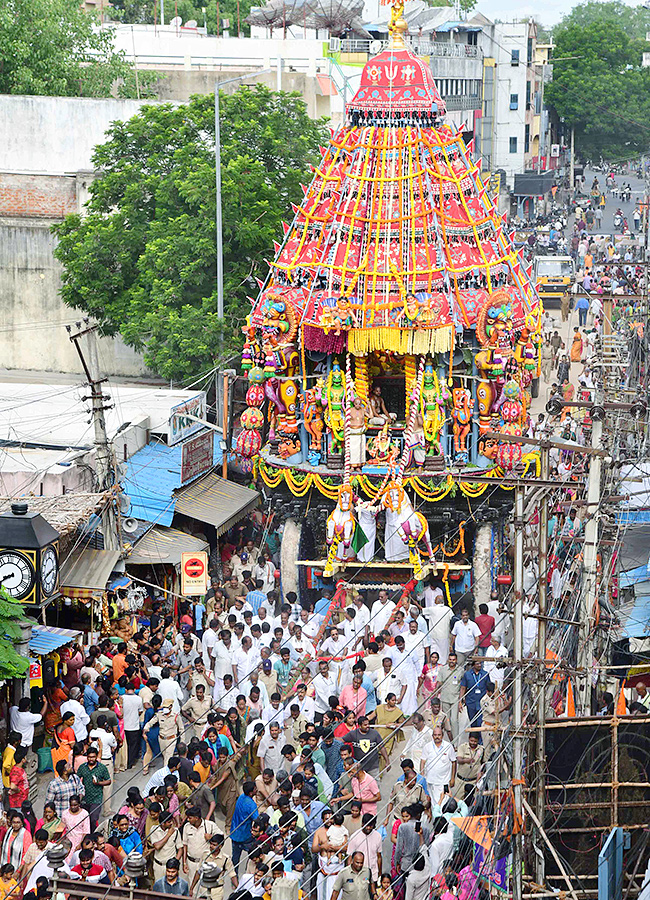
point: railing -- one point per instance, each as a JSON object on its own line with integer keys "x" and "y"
{"x": 422, "y": 48}
{"x": 461, "y": 102}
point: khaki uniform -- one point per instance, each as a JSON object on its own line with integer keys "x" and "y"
{"x": 227, "y": 870}
{"x": 467, "y": 773}
{"x": 228, "y": 792}
{"x": 353, "y": 885}
{"x": 199, "y": 710}
{"x": 168, "y": 851}
{"x": 198, "y": 848}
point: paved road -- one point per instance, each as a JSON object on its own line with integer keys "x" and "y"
{"x": 612, "y": 203}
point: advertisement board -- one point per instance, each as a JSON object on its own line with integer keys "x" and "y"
{"x": 180, "y": 426}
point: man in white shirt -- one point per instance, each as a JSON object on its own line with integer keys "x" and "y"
{"x": 439, "y": 617}
{"x": 496, "y": 652}
{"x": 382, "y": 610}
{"x": 304, "y": 702}
{"x": 335, "y": 646}
{"x": 170, "y": 689}
{"x": 441, "y": 846}
{"x": 274, "y": 712}
{"x": 23, "y": 721}
{"x": 310, "y": 624}
{"x": 438, "y": 765}
{"x": 81, "y": 717}
{"x": 209, "y": 639}
{"x": 362, "y": 613}
{"x": 222, "y": 656}
{"x": 325, "y": 685}
{"x": 270, "y": 748}
{"x": 245, "y": 661}
{"x": 133, "y": 709}
{"x": 465, "y": 636}
{"x": 420, "y": 736}
{"x": 389, "y": 682}
{"x": 300, "y": 644}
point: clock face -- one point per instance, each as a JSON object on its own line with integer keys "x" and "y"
{"x": 49, "y": 570}
{"x": 16, "y": 574}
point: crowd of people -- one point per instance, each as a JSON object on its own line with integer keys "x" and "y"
{"x": 260, "y": 734}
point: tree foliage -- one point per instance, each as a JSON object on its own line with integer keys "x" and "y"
{"x": 142, "y": 261}
{"x": 53, "y": 47}
{"x": 217, "y": 13}
{"x": 601, "y": 89}
{"x": 12, "y": 664}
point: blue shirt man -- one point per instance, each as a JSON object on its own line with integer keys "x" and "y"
{"x": 472, "y": 690}
{"x": 90, "y": 699}
{"x": 244, "y": 815}
{"x": 256, "y": 598}
{"x": 312, "y": 811}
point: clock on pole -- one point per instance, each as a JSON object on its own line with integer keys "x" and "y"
{"x": 29, "y": 556}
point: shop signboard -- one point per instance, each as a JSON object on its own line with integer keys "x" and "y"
{"x": 197, "y": 456}
{"x": 181, "y": 426}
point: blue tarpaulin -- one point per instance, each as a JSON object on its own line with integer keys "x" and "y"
{"x": 152, "y": 475}
{"x": 46, "y": 638}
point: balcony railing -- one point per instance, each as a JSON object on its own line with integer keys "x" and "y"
{"x": 422, "y": 48}
{"x": 466, "y": 102}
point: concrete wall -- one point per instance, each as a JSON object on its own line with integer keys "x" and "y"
{"x": 32, "y": 314}
{"x": 55, "y": 135}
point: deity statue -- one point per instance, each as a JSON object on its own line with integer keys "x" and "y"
{"x": 377, "y": 412}
{"x": 432, "y": 407}
{"x": 381, "y": 449}
{"x": 407, "y": 531}
{"x": 462, "y": 415}
{"x": 357, "y": 434}
{"x": 416, "y": 448}
{"x": 335, "y": 402}
{"x": 312, "y": 411}
{"x": 339, "y": 531}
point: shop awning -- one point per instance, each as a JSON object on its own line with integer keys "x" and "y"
{"x": 46, "y": 638}
{"x": 216, "y": 501}
{"x": 85, "y": 573}
{"x": 164, "y": 545}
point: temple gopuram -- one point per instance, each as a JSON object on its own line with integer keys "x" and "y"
{"x": 396, "y": 328}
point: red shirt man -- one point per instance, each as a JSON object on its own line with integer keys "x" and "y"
{"x": 486, "y": 625}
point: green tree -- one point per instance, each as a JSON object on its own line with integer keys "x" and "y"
{"x": 142, "y": 261}
{"x": 12, "y": 665}
{"x": 53, "y": 47}
{"x": 599, "y": 85}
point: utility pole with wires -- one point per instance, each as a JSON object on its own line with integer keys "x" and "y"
{"x": 103, "y": 452}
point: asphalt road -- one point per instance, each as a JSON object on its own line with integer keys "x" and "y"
{"x": 612, "y": 203}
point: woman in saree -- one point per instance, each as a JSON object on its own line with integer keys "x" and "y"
{"x": 15, "y": 841}
{"x": 116, "y": 706}
{"x": 63, "y": 740}
{"x": 51, "y": 822}
{"x": 390, "y": 718}
{"x": 55, "y": 696}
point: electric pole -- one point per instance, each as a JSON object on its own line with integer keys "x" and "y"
{"x": 540, "y": 749}
{"x": 103, "y": 454}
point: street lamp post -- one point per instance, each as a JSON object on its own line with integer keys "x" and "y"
{"x": 217, "y": 172}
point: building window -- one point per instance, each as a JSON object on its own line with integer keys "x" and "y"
{"x": 514, "y": 58}
{"x": 527, "y": 139}
{"x": 514, "y": 101}
{"x": 530, "y": 50}
{"x": 528, "y": 95}
{"x": 472, "y": 38}
{"x": 513, "y": 144}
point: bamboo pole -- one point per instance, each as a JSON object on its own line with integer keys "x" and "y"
{"x": 550, "y": 846}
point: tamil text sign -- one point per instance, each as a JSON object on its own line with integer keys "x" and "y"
{"x": 197, "y": 456}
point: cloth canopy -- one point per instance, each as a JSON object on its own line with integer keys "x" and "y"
{"x": 216, "y": 501}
